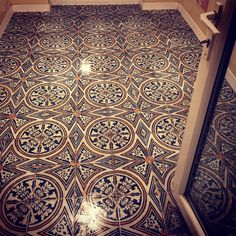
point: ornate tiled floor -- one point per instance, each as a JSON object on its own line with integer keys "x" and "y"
{"x": 93, "y": 104}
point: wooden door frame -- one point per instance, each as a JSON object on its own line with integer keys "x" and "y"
{"x": 203, "y": 87}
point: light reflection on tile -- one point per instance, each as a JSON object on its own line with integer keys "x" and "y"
{"x": 89, "y": 216}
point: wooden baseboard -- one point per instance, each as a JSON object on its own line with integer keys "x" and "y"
{"x": 31, "y": 8}
{"x": 93, "y": 2}
{"x": 159, "y": 5}
{"x": 6, "y": 20}
{"x": 191, "y": 22}
{"x": 189, "y": 216}
{"x": 181, "y": 9}
{"x": 144, "y": 5}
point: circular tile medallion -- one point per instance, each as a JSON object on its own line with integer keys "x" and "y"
{"x": 210, "y": 195}
{"x": 150, "y": 62}
{"x": 98, "y": 22}
{"x": 110, "y": 135}
{"x": 121, "y": 197}
{"x": 227, "y": 93}
{"x": 169, "y": 130}
{"x": 27, "y": 200}
{"x": 47, "y": 95}
{"x": 103, "y": 63}
{"x": 105, "y": 93}
{"x": 226, "y": 126}
{"x": 138, "y": 39}
{"x": 173, "y": 20}
{"x": 56, "y": 22}
{"x": 161, "y": 91}
{"x": 4, "y": 95}
{"x": 52, "y": 65}
{"x": 20, "y": 23}
{"x": 13, "y": 42}
{"x": 60, "y": 10}
{"x": 190, "y": 59}
{"x": 99, "y": 40}
{"x": 9, "y": 65}
{"x": 41, "y": 138}
{"x": 96, "y": 9}
{"x": 135, "y": 21}
{"x": 123, "y": 9}
{"x": 55, "y": 41}
{"x": 183, "y": 38}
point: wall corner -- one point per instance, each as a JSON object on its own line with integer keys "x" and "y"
{"x": 4, "y": 22}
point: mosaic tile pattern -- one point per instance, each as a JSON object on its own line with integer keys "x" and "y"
{"x": 93, "y": 103}
{"x": 213, "y": 183}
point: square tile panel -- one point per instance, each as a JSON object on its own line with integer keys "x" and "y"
{"x": 93, "y": 104}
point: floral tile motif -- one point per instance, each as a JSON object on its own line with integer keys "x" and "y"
{"x": 9, "y": 170}
{"x": 145, "y": 161}
{"x": 139, "y": 110}
{"x": 71, "y": 165}
{"x": 15, "y": 117}
{"x": 23, "y": 201}
{"x": 40, "y": 138}
{"x": 169, "y": 130}
{"x": 110, "y": 136}
{"x": 93, "y": 103}
{"x": 118, "y": 193}
{"x": 47, "y": 95}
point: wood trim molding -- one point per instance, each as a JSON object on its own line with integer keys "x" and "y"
{"x": 175, "y": 5}
{"x": 159, "y": 5}
{"x": 189, "y": 215}
{"x": 6, "y": 20}
{"x": 31, "y": 8}
{"x": 201, "y": 36}
{"x": 144, "y": 5}
{"x": 93, "y": 2}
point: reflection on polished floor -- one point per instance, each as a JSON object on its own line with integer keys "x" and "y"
{"x": 212, "y": 188}
{"x": 93, "y": 104}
